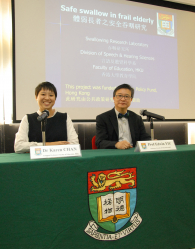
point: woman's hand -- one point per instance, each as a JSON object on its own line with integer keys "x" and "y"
{"x": 57, "y": 143}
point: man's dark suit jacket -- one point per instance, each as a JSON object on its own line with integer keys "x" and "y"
{"x": 107, "y": 129}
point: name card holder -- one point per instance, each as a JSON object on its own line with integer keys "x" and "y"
{"x": 155, "y": 145}
{"x": 69, "y": 150}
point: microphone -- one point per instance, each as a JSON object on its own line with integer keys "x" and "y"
{"x": 43, "y": 116}
{"x": 152, "y": 115}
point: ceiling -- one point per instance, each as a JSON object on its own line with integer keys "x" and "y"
{"x": 188, "y": 2}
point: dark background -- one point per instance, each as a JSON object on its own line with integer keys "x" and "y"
{"x": 162, "y": 131}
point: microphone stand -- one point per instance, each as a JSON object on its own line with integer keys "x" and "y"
{"x": 150, "y": 119}
{"x": 43, "y": 128}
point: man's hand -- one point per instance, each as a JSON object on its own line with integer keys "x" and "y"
{"x": 123, "y": 145}
{"x": 57, "y": 143}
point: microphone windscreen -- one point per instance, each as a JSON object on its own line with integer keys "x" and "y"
{"x": 142, "y": 112}
{"x": 46, "y": 112}
{"x": 43, "y": 116}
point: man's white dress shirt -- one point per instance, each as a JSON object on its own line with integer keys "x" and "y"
{"x": 124, "y": 129}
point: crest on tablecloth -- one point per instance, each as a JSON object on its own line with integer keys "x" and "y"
{"x": 112, "y": 198}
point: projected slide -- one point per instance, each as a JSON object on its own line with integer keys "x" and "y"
{"x": 94, "y": 46}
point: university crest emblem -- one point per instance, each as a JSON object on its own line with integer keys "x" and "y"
{"x": 38, "y": 151}
{"x": 143, "y": 145}
{"x": 112, "y": 200}
{"x": 165, "y": 24}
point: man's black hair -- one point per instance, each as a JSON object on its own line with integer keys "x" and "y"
{"x": 126, "y": 86}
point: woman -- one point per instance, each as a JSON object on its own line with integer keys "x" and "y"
{"x": 59, "y": 128}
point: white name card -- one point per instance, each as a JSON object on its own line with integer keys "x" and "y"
{"x": 154, "y": 145}
{"x": 69, "y": 150}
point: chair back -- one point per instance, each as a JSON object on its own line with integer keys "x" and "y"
{"x": 94, "y": 147}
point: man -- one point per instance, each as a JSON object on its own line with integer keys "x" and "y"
{"x": 120, "y": 128}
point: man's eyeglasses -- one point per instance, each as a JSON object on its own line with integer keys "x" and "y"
{"x": 126, "y": 97}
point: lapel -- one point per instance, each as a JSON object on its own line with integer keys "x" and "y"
{"x": 130, "y": 120}
{"x": 113, "y": 120}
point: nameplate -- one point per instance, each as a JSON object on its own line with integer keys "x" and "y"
{"x": 154, "y": 145}
{"x": 69, "y": 150}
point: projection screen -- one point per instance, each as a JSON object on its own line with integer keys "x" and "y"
{"x": 88, "y": 47}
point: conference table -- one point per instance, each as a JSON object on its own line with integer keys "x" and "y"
{"x": 45, "y": 203}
